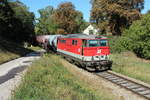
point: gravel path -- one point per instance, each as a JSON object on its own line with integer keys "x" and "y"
{"x": 11, "y": 73}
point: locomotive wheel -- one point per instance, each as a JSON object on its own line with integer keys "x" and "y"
{"x": 90, "y": 69}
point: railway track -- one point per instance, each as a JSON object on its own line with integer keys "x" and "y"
{"x": 138, "y": 88}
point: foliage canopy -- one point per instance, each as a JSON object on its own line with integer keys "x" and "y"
{"x": 16, "y": 22}
{"x": 137, "y": 37}
{"x": 113, "y": 16}
{"x": 65, "y": 19}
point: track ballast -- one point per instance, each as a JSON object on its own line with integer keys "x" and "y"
{"x": 133, "y": 86}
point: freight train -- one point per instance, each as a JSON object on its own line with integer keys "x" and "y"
{"x": 88, "y": 51}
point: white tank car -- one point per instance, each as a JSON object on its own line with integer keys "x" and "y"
{"x": 52, "y": 42}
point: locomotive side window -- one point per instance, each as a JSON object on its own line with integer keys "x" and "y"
{"x": 74, "y": 42}
{"x": 62, "y": 41}
{"x": 84, "y": 43}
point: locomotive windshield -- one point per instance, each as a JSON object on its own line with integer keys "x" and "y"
{"x": 96, "y": 43}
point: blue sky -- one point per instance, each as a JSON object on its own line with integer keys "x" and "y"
{"x": 82, "y": 5}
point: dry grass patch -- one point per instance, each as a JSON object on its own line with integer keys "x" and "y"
{"x": 128, "y": 64}
{"x": 6, "y": 56}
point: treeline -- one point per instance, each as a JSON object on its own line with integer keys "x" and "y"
{"x": 122, "y": 19}
{"x": 19, "y": 25}
{"x": 16, "y": 22}
{"x": 65, "y": 19}
{"x": 114, "y": 16}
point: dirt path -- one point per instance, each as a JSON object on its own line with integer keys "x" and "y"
{"x": 98, "y": 83}
{"x": 11, "y": 73}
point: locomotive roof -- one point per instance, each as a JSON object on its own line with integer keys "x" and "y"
{"x": 82, "y": 36}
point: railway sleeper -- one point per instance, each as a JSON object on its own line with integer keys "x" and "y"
{"x": 146, "y": 92}
{"x": 117, "y": 80}
{"x": 139, "y": 89}
{"x": 104, "y": 75}
{"x": 148, "y": 96}
{"x": 113, "y": 78}
{"x": 122, "y": 82}
{"x": 126, "y": 84}
{"x": 133, "y": 87}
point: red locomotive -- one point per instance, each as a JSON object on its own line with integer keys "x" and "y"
{"x": 88, "y": 51}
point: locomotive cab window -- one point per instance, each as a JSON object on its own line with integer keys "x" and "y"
{"x": 103, "y": 43}
{"x": 93, "y": 43}
{"x": 96, "y": 43}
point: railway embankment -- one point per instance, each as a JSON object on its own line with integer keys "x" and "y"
{"x": 130, "y": 65}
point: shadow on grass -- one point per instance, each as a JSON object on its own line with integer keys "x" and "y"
{"x": 7, "y": 46}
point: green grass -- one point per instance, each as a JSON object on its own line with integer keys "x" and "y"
{"x": 34, "y": 48}
{"x": 128, "y": 64}
{"x": 48, "y": 79}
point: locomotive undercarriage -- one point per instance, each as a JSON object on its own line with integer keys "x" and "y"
{"x": 98, "y": 65}
{"x": 89, "y": 65}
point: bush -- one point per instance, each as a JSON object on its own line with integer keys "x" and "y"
{"x": 137, "y": 37}
{"x": 116, "y": 44}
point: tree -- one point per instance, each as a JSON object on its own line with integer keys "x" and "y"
{"x": 81, "y": 23}
{"x": 46, "y": 24}
{"x": 24, "y": 23}
{"x": 63, "y": 19}
{"x": 6, "y": 14}
{"x": 16, "y": 22}
{"x": 115, "y": 15}
{"x": 68, "y": 19}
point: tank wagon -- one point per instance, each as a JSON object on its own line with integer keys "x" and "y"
{"x": 88, "y": 51}
{"x": 42, "y": 40}
{"x": 52, "y": 42}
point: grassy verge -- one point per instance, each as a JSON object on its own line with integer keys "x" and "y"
{"x": 48, "y": 79}
{"x": 128, "y": 64}
{"x": 35, "y": 48}
{"x": 6, "y": 56}
{"x": 10, "y": 50}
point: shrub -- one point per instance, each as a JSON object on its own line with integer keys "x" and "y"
{"x": 116, "y": 44}
{"x": 137, "y": 37}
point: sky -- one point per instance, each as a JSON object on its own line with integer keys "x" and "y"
{"x": 82, "y": 5}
